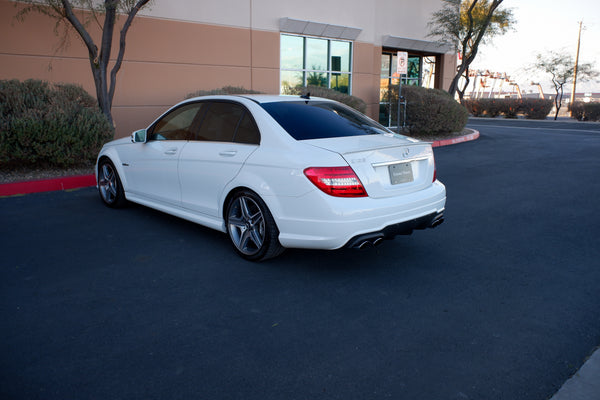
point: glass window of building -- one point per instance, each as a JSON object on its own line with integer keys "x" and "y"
{"x": 316, "y": 62}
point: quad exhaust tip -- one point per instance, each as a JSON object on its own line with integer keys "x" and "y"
{"x": 368, "y": 243}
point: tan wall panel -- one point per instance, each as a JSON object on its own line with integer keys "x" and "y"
{"x": 33, "y": 36}
{"x": 265, "y": 80}
{"x": 448, "y": 69}
{"x": 66, "y": 70}
{"x": 365, "y": 76}
{"x": 367, "y": 58}
{"x": 180, "y": 42}
{"x": 265, "y": 49}
{"x": 160, "y": 84}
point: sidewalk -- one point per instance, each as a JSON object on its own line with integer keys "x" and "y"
{"x": 585, "y": 384}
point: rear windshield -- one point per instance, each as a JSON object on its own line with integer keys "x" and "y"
{"x": 315, "y": 119}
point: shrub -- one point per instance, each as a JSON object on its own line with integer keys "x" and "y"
{"x": 223, "y": 90}
{"x": 536, "y": 108}
{"x": 432, "y": 112}
{"x": 475, "y": 108}
{"x": 49, "y": 125}
{"x": 510, "y": 108}
{"x": 585, "y": 111}
{"x": 319, "y": 91}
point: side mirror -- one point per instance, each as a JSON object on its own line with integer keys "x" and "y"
{"x": 139, "y": 136}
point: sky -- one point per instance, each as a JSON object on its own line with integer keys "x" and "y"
{"x": 543, "y": 26}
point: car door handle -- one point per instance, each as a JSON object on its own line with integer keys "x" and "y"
{"x": 228, "y": 153}
{"x": 170, "y": 152}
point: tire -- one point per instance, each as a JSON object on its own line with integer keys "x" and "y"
{"x": 109, "y": 185}
{"x": 251, "y": 227}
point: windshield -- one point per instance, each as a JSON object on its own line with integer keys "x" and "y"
{"x": 315, "y": 119}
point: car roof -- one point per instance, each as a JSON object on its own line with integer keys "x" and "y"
{"x": 260, "y": 98}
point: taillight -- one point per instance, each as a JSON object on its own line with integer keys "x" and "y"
{"x": 336, "y": 181}
{"x": 434, "y": 170}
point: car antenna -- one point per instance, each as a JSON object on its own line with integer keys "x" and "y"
{"x": 305, "y": 96}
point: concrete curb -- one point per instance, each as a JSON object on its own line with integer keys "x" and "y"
{"x": 585, "y": 384}
{"x": 460, "y": 139}
{"x": 47, "y": 185}
{"x": 76, "y": 182}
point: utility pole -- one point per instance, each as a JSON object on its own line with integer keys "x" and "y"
{"x": 575, "y": 70}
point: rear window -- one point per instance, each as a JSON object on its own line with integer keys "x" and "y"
{"x": 315, "y": 119}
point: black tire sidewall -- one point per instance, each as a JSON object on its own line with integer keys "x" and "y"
{"x": 270, "y": 247}
{"x": 120, "y": 200}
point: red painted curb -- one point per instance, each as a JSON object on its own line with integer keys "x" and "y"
{"x": 460, "y": 139}
{"x": 47, "y": 185}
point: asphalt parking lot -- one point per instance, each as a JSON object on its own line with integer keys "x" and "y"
{"x": 499, "y": 302}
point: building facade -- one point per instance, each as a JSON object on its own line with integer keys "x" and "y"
{"x": 178, "y": 47}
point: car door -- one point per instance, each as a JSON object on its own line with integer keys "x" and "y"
{"x": 152, "y": 167}
{"x": 226, "y": 137}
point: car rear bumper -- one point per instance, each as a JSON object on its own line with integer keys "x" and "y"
{"x": 389, "y": 232}
{"x": 331, "y": 223}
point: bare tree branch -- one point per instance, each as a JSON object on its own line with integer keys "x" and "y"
{"x": 64, "y": 11}
{"x": 130, "y": 16}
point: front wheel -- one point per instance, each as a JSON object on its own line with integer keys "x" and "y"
{"x": 251, "y": 227}
{"x": 109, "y": 185}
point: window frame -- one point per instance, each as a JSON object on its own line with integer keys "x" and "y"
{"x": 306, "y": 70}
{"x": 199, "y": 119}
{"x": 150, "y": 132}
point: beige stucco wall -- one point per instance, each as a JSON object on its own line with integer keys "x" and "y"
{"x": 178, "y": 47}
{"x": 376, "y": 18}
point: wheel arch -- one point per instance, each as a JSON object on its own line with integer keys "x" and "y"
{"x": 114, "y": 159}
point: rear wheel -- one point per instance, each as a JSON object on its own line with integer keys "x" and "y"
{"x": 109, "y": 185}
{"x": 251, "y": 227}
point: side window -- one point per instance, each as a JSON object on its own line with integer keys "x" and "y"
{"x": 247, "y": 131}
{"x": 179, "y": 124}
{"x": 221, "y": 122}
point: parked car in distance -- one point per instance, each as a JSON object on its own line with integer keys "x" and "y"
{"x": 276, "y": 172}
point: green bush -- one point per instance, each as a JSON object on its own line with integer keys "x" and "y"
{"x": 49, "y": 125}
{"x": 223, "y": 90}
{"x": 332, "y": 94}
{"x": 430, "y": 112}
{"x": 585, "y": 111}
{"x": 536, "y": 108}
{"x": 510, "y": 108}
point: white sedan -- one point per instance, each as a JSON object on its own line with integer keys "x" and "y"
{"x": 275, "y": 172}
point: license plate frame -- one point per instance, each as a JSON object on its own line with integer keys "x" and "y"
{"x": 401, "y": 173}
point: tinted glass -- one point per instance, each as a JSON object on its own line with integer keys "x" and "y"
{"x": 178, "y": 124}
{"x": 318, "y": 120}
{"x": 220, "y": 122}
{"x": 247, "y": 132}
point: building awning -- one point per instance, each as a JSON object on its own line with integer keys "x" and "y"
{"x": 417, "y": 45}
{"x": 311, "y": 28}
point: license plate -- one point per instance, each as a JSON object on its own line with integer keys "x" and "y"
{"x": 401, "y": 173}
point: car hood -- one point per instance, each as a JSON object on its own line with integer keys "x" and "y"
{"x": 118, "y": 142}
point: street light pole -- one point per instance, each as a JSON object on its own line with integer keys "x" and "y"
{"x": 575, "y": 70}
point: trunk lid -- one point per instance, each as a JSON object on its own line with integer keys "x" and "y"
{"x": 387, "y": 165}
